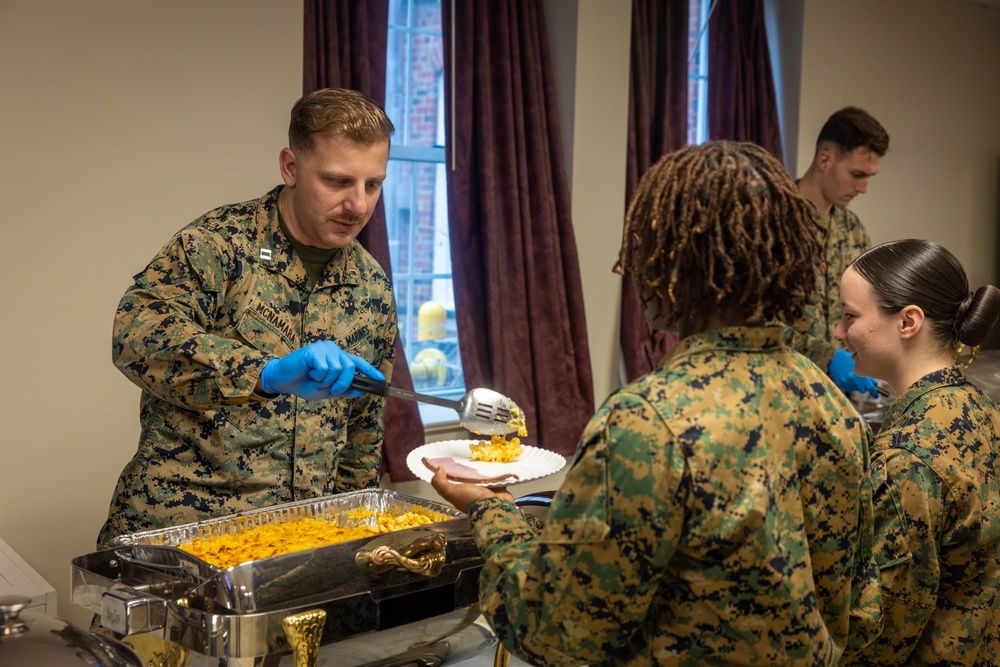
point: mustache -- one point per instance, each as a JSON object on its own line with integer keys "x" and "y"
{"x": 352, "y": 218}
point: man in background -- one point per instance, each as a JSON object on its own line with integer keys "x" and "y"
{"x": 849, "y": 152}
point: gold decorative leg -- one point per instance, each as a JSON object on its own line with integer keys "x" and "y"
{"x": 304, "y": 632}
{"x": 155, "y": 651}
{"x": 502, "y": 657}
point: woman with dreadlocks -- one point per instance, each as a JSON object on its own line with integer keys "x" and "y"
{"x": 907, "y": 309}
{"x": 717, "y": 510}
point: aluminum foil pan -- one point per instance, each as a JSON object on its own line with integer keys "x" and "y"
{"x": 336, "y": 508}
{"x": 302, "y": 577}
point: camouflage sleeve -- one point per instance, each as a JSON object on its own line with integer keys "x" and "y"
{"x": 578, "y": 592}
{"x": 866, "y": 591}
{"x": 361, "y": 459}
{"x": 161, "y": 331}
{"x": 812, "y": 334}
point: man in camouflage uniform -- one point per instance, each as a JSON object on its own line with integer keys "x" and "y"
{"x": 849, "y": 152}
{"x": 718, "y": 509}
{"x": 245, "y": 332}
{"x": 843, "y": 238}
{"x": 934, "y": 460}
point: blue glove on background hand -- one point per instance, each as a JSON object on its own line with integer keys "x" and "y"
{"x": 314, "y": 372}
{"x": 842, "y": 373}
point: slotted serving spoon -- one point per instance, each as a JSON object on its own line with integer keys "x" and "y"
{"x": 482, "y": 411}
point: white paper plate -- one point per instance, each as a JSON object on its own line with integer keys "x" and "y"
{"x": 533, "y": 463}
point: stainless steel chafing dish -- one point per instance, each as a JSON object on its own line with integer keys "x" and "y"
{"x": 401, "y": 598}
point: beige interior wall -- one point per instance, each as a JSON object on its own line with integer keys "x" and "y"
{"x": 598, "y": 127}
{"x": 929, "y": 70}
{"x": 120, "y": 121}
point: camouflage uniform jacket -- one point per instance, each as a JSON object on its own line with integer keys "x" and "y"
{"x": 221, "y": 299}
{"x": 843, "y": 238}
{"x": 717, "y": 512}
{"x": 937, "y": 526}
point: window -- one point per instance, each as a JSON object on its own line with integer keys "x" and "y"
{"x": 416, "y": 203}
{"x": 697, "y": 64}
{"x": 415, "y": 191}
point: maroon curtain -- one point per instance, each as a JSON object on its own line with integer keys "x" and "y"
{"x": 657, "y": 125}
{"x": 741, "y": 99}
{"x": 519, "y": 299}
{"x": 344, "y": 44}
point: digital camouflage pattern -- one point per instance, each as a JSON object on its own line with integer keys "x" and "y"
{"x": 843, "y": 238}
{"x": 937, "y": 526}
{"x": 221, "y": 299}
{"x": 717, "y": 512}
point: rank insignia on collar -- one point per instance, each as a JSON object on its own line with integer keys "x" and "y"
{"x": 265, "y": 254}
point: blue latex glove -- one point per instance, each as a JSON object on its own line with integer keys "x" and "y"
{"x": 314, "y": 372}
{"x": 842, "y": 373}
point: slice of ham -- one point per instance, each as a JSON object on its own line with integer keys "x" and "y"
{"x": 459, "y": 472}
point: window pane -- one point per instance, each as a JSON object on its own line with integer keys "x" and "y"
{"x": 415, "y": 200}
{"x": 419, "y": 247}
{"x": 697, "y": 101}
{"x": 414, "y": 60}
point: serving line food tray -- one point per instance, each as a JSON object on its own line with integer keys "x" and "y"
{"x": 146, "y": 585}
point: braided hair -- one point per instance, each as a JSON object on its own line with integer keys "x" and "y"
{"x": 720, "y": 225}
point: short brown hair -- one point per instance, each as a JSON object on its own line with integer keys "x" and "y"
{"x": 851, "y": 128}
{"x": 337, "y": 112}
{"x": 721, "y": 224}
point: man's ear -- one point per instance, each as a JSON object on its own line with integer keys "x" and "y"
{"x": 826, "y": 155}
{"x": 911, "y": 321}
{"x": 286, "y": 163}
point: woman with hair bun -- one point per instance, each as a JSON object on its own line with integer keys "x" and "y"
{"x": 907, "y": 307}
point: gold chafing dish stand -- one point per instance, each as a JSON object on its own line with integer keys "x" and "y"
{"x": 407, "y": 597}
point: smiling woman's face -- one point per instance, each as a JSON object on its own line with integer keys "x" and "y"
{"x": 868, "y": 333}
